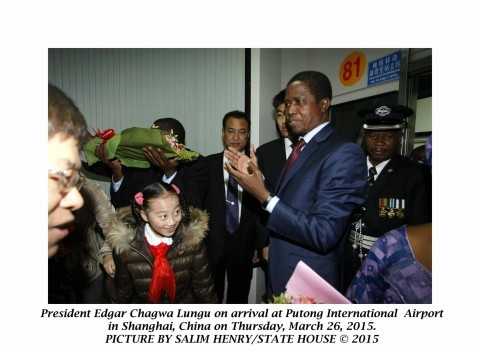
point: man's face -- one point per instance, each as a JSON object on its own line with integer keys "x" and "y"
{"x": 303, "y": 112}
{"x": 381, "y": 145}
{"x": 236, "y": 134}
{"x": 281, "y": 120}
{"x": 62, "y": 156}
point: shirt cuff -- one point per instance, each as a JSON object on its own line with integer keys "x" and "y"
{"x": 116, "y": 185}
{"x": 169, "y": 179}
{"x": 272, "y": 203}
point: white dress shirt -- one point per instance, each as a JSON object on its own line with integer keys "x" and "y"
{"x": 154, "y": 239}
{"x": 116, "y": 185}
{"x": 379, "y": 167}
{"x": 288, "y": 146}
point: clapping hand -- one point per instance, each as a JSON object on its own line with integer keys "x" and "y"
{"x": 242, "y": 162}
{"x": 246, "y": 172}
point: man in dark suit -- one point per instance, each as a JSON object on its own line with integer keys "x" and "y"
{"x": 272, "y": 156}
{"x": 190, "y": 177}
{"x": 398, "y": 191}
{"x": 321, "y": 184}
{"x": 232, "y": 238}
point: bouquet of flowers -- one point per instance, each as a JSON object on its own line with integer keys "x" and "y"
{"x": 127, "y": 146}
{"x": 306, "y": 286}
{"x": 286, "y": 298}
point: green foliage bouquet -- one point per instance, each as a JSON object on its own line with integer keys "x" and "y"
{"x": 128, "y": 146}
{"x": 285, "y": 298}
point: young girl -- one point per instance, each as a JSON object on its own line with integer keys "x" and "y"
{"x": 163, "y": 259}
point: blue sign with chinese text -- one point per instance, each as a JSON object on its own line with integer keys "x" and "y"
{"x": 386, "y": 68}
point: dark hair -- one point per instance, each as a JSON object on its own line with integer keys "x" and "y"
{"x": 169, "y": 124}
{"x": 158, "y": 190}
{"x": 317, "y": 82}
{"x": 237, "y": 115}
{"x": 64, "y": 116}
{"x": 279, "y": 98}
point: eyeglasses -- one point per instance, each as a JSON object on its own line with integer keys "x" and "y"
{"x": 232, "y": 131}
{"x": 67, "y": 179}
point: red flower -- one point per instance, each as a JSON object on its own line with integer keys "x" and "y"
{"x": 105, "y": 135}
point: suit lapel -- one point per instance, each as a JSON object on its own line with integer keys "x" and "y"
{"x": 219, "y": 181}
{"x": 386, "y": 173}
{"x": 313, "y": 146}
{"x": 222, "y": 197}
{"x": 281, "y": 145}
{"x": 279, "y": 159}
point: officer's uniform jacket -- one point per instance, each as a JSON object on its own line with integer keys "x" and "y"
{"x": 398, "y": 196}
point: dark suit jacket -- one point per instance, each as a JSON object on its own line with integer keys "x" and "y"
{"x": 247, "y": 238}
{"x": 317, "y": 196}
{"x": 400, "y": 179}
{"x": 271, "y": 160}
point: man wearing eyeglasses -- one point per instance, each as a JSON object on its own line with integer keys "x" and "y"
{"x": 233, "y": 228}
{"x": 66, "y": 132}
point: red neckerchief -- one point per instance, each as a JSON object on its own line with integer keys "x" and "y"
{"x": 163, "y": 277}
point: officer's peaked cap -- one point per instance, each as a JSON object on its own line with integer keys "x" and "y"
{"x": 385, "y": 117}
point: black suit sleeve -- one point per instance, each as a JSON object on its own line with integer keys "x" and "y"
{"x": 99, "y": 169}
{"x": 134, "y": 180}
{"x": 419, "y": 203}
{"x": 261, "y": 232}
{"x": 262, "y": 239}
{"x": 192, "y": 179}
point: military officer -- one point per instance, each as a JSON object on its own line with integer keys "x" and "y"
{"x": 398, "y": 188}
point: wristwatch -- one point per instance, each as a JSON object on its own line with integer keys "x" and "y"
{"x": 265, "y": 203}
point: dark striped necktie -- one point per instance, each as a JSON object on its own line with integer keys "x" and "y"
{"x": 371, "y": 175}
{"x": 231, "y": 212}
{"x": 297, "y": 149}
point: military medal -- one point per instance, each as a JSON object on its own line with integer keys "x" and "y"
{"x": 382, "y": 206}
{"x": 391, "y": 208}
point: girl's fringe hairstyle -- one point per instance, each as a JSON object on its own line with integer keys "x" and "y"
{"x": 157, "y": 190}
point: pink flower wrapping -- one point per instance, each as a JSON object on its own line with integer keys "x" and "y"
{"x": 307, "y": 283}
